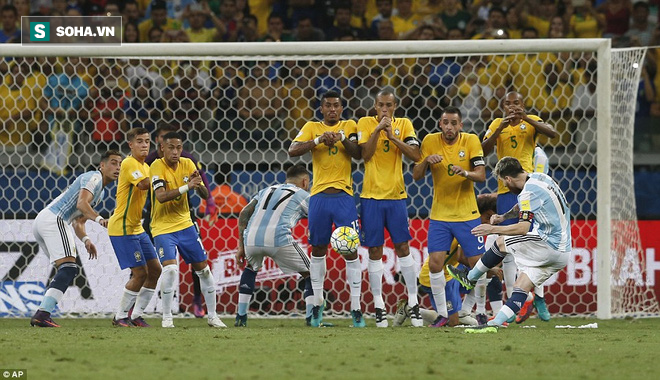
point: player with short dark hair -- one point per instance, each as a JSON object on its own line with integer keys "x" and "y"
{"x": 384, "y": 140}
{"x": 56, "y": 224}
{"x": 332, "y": 143}
{"x": 172, "y": 176}
{"x": 456, "y": 162}
{"x": 131, "y": 243}
{"x": 540, "y": 253}
{"x": 264, "y": 230}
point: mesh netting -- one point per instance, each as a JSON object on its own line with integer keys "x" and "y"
{"x": 239, "y": 115}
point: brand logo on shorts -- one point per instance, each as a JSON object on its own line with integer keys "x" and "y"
{"x": 138, "y": 256}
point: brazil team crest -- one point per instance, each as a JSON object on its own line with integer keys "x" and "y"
{"x": 461, "y": 154}
{"x": 138, "y": 256}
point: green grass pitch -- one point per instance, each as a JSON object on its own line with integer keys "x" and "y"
{"x": 285, "y": 349}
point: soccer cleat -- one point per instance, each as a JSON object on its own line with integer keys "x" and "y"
{"x": 504, "y": 324}
{"x": 140, "y": 322}
{"x": 317, "y": 315}
{"x": 511, "y": 319}
{"x": 381, "y": 318}
{"x": 216, "y": 322}
{"x": 482, "y": 319}
{"x": 440, "y": 321}
{"x": 167, "y": 323}
{"x": 198, "y": 310}
{"x": 416, "y": 317}
{"x": 481, "y": 329}
{"x": 541, "y": 308}
{"x": 465, "y": 318}
{"x": 401, "y": 313}
{"x": 123, "y": 322}
{"x": 42, "y": 319}
{"x": 461, "y": 275}
{"x": 241, "y": 320}
{"x": 525, "y": 312}
{"x": 358, "y": 319}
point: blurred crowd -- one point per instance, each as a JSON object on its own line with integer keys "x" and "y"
{"x": 257, "y": 104}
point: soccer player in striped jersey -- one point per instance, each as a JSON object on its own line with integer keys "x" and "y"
{"x": 56, "y": 224}
{"x": 172, "y": 176}
{"x": 456, "y": 162}
{"x": 515, "y": 135}
{"x": 540, "y": 253}
{"x": 384, "y": 139}
{"x": 333, "y": 143}
{"x": 132, "y": 245}
{"x": 264, "y": 230}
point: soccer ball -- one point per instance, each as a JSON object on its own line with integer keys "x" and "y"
{"x": 345, "y": 240}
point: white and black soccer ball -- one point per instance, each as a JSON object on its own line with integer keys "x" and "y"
{"x": 345, "y": 240}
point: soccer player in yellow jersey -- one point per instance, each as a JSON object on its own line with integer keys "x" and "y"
{"x": 456, "y": 162}
{"x": 172, "y": 176}
{"x": 515, "y": 136}
{"x": 129, "y": 241}
{"x": 384, "y": 139}
{"x": 333, "y": 142}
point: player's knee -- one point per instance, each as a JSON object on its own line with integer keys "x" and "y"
{"x": 436, "y": 263}
{"x": 376, "y": 253}
{"x": 66, "y": 272}
{"x": 319, "y": 250}
{"x": 139, "y": 274}
{"x": 205, "y": 272}
{"x": 402, "y": 249}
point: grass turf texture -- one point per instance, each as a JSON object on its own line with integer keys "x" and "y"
{"x": 285, "y": 349}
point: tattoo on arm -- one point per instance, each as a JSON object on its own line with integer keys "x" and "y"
{"x": 512, "y": 213}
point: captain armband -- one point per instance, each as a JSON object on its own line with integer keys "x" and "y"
{"x": 353, "y": 137}
{"x": 477, "y": 161}
{"x": 526, "y": 216}
{"x": 412, "y": 140}
{"x": 158, "y": 184}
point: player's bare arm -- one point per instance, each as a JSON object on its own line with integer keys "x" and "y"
{"x": 541, "y": 127}
{"x": 243, "y": 219}
{"x": 369, "y": 148}
{"x": 411, "y": 151}
{"x": 519, "y": 228}
{"x": 84, "y": 205}
{"x": 298, "y": 148}
{"x": 163, "y": 194}
{"x": 419, "y": 170}
{"x": 488, "y": 144}
{"x": 476, "y": 175}
{"x": 144, "y": 184}
{"x": 202, "y": 191}
{"x": 78, "y": 225}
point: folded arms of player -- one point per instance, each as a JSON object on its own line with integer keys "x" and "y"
{"x": 165, "y": 195}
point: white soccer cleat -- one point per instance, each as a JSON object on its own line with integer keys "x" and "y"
{"x": 381, "y": 318}
{"x": 216, "y": 322}
{"x": 167, "y": 323}
{"x": 401, "y": 313}
{"x": 416, "y": 317}
{"x": 465, "y": 318}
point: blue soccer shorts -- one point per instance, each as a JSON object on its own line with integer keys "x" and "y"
{"x": 441, "y": 234}
{"x": 452, "y": 295}
{"x": 379, "y": 214}
{"x": 187, "y": 241}
{"x": 326, "y": 210}
{"x": 133, "y": 250}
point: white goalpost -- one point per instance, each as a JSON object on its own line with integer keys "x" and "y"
{"x": 212, "y": 90}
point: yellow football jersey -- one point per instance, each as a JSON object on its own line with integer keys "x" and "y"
{"x": 516, "y": 141}
{"x": 452, "y": 259}
{"x": 127, "y": 217}
{"x": 331, "y": 166}
{"x": 383, "y": 174}
{"x": 174, "y": 215}
{"x": 453, "y": 195}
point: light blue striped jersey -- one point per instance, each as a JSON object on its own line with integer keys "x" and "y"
{"x": 552, "y": 216}
{"x": 540, "y": 161}
{"x": 64, "y": 205}
{"x": 278, "y": 209}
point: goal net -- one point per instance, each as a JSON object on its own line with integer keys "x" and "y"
{"x": 240, "y": 105}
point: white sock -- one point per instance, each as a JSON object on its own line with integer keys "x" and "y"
{"x": 438, "y": 283}
{"x": 428, "y": 316}
{"x": 207, "y": 287}
{"x": 317, "y": 275}
{"x": 354, "y": 279}
{"x": 375, "y": 268}
{"x": 468, "y": 302}
{"x": 125, "y": 304}
{"x": 539, "y": 291}
{"x": 530, "y": 296}
{"x": 141, "y": 301}
{"x": 480, "y": 294}
{"x": 509, "y": 269}
{"x": 410, "y": 277}
{"x": 496, "y": 306}
{"x": 167, "y": 281}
